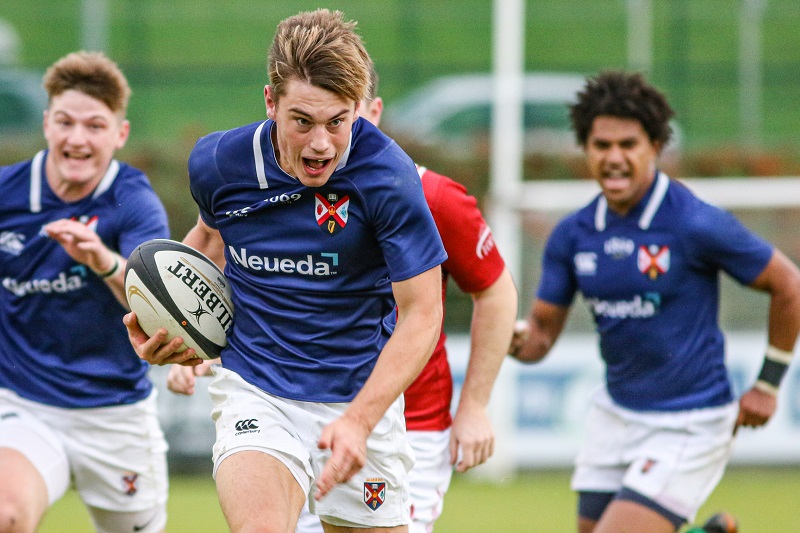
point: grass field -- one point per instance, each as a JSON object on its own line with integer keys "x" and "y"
{"x": 763, "y": 499}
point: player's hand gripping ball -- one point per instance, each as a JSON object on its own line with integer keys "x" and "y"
{"x": 173, "y": 286}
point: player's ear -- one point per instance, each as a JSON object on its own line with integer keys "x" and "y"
{"x": 658, "y": 146}
{"x": 124, "y": 133}
{"x": 270, "y": 102}
{"x": 376, "y": 110}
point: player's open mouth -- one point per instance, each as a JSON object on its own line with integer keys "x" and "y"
{"x": 81, "y": 157}
{"x": 316, "y": 165}
{"x": 616, "y": 174}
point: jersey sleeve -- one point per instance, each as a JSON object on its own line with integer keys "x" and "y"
{"x": 557, "y": 284}
{"x": 404, "y": 225}
{"x": 720, "y": 241}
{"x": 204, "y": 175}
{"x": 143, "y": 217}
{"x": 473, "y": 260}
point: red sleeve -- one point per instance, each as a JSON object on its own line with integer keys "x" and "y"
{"x": 472, "y": 257}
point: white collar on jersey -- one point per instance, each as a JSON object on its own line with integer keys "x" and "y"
{"x": 37, "y": 175}
{"x": 662, "y": 184}
{"x": 258, "y": 155}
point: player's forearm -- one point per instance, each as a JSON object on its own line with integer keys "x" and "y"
{"x": 544, "y": 325}
{"x": 784, "y": 322}
{"x": 781, "y": 279}
{"x": 405, "y": 354}
{"x": 493, "y": 316}
{"x": 784, "y": 308}
{"x": 400, "y": 362}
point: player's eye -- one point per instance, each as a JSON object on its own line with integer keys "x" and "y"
{"x": 336, "y": 122}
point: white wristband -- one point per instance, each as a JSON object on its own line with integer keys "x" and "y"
{"x": 763, "y": 386}
{"x": 778, "y": 355}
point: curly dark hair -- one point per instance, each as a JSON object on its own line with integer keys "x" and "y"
{"x": 625, "y": 95}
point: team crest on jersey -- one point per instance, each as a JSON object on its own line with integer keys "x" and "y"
{"x": 11, "y": 242}
{"x": 653, "y": 260}
{"x": 331, "y": 212}
{"x": 129, "y": 482}
{"x": 374, "y": 493}
{"x": 86, "y": 220}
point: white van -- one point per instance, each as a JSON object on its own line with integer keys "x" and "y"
{"x": 453, "y": 114}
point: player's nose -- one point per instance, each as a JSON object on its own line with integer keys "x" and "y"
{"x": 320, "y": 140}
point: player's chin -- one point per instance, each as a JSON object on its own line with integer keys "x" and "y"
{"x": 317, "y": 180}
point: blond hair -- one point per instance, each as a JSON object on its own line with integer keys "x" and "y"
{"x": 91, "y": 73}
{"x": 322, "y": 49}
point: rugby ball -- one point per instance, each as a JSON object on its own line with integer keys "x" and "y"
{"x": 173, "y": 286}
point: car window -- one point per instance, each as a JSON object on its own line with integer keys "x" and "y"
{"x": 552, "y": 116}
{"x": 475, "y": 120}
{"x": 467, "y": 122}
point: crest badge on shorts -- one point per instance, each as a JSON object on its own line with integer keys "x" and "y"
{"x": 374, "y": 493}
{"x": 653, "y": 260}
{"x": 129, "y": 483}
{"x": 331, "y": 212}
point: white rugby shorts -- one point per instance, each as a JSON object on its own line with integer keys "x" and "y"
{"x": 430, "y": 477}
{"x": 117, "y": 454}
{"x": 429, "y": 480}
{"x": 248, "y": 418}
{"x": 673, "y": 458}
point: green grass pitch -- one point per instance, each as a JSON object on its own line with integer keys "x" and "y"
{"x": 763, "y": 500}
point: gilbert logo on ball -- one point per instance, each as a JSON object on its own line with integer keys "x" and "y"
{"x": 173, "y": 286}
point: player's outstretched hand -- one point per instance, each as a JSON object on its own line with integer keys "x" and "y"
{"x": 181, "y": 379}
{"x": 155, "y": 350}
{"x": 756, "y": 407}
{"x": 81, "y": 243}
{"x": 347, "y": 441}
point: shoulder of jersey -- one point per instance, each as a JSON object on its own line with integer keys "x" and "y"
{"x": 173, "y": 286}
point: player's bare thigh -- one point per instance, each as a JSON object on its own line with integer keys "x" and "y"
{"x": 23, "y": 492}
{"x": 623, "y": 515}
{"x": 255, "y": 488}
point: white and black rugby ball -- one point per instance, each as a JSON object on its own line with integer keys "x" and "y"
{"x": 173, "y": 286}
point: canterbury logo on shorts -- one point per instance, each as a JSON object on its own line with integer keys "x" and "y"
{"x": 247, "y": 425}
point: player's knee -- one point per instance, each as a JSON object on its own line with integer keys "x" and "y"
{"x": 15, "y": 517}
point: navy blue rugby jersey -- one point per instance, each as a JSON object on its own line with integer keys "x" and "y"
{"x": 651, "y": 281}
{"x": 62, "y": 341}
{"x": 311, "y": 267}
